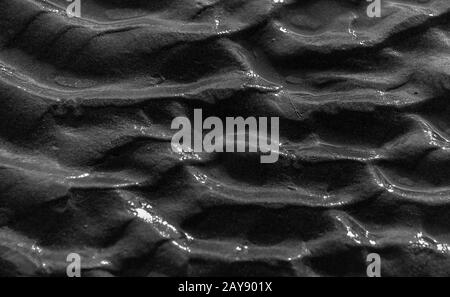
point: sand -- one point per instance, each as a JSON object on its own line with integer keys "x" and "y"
{"x": 86, "y": 164}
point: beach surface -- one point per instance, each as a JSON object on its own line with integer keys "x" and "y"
{"x": 86, "y": 164}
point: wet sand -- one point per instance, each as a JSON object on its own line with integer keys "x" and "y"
{"x": 86, "y": 164}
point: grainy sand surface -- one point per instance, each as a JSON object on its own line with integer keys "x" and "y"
{"x": 86, "y": 164}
